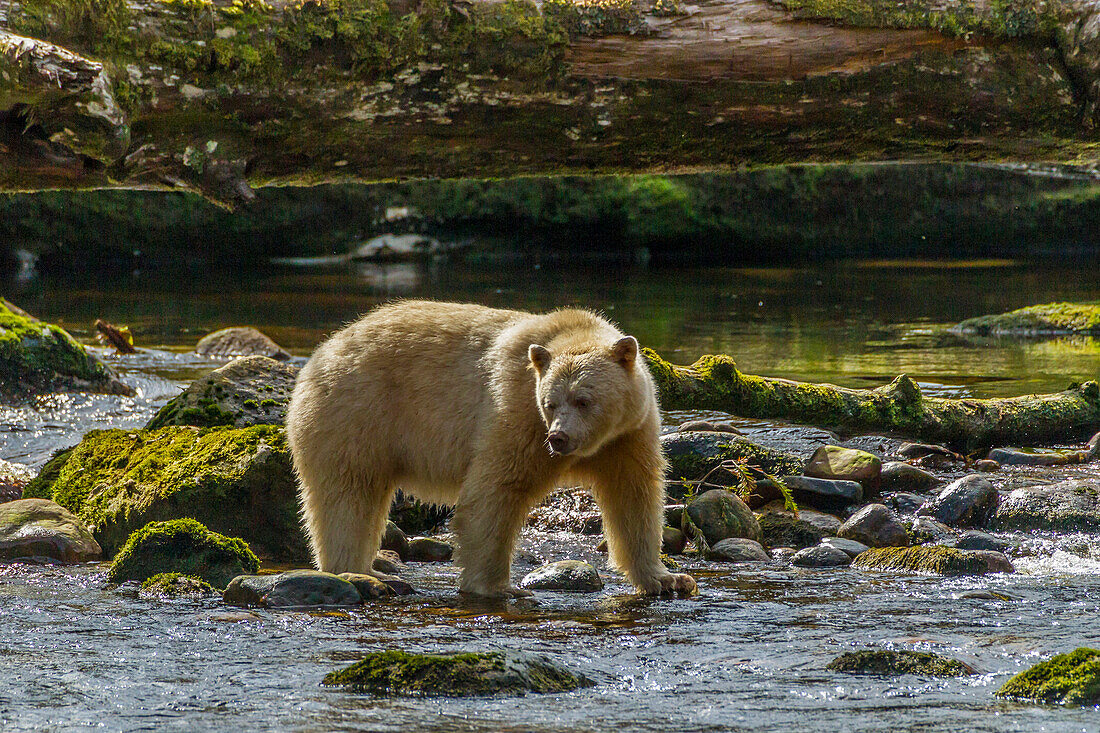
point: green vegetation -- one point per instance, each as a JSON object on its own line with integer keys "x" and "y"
{"x": 888, "y": 662}
{"x": 997, "y": 18}
{"x": 1067, "y": 679}
{"x": 927, "y": 559}
{"x": 176, "y": 585}
{"x": 1051, "y": 318}
{"x": 182, "y": 546}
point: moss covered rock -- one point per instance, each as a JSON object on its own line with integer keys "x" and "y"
{"x": 37, "y": 357}
{"x": 693, "y": 455}
{"x": 42, "y": 528}
{"x": 253, "y": 390}
{"x": 1037, "y": 320}
{"x": 1067, "y": 679}
{"x": 456, "y": 675}
{"x": 783, "y": 530}
{"x": 176, "y": 585}
{"x": 934, "y": 559}
{"x": 718, "y": 514}
{"x": 238, "y": 482}
{"x": 1067, "y": 506}
{"x": 182, "y": 546}
{"x": 889, "y": 662}
{"x": 292, "y": 589}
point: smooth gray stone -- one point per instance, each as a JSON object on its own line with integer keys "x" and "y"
{"x": 573, "y": 576}
{"x": 967, "y": 502}
{"x": 821, "y": 556}
{"x": 851, "y": 547}
{"x": 833, "y": 491}
{"x": 875, "y": 526}
{"x": 738, "y": 549}
{"x": 292, "y": 589}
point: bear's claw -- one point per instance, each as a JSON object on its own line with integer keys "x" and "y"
{"x": 679, "y": 583}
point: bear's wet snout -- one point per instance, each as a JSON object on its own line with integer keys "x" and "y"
{"x": 558, "y": 442}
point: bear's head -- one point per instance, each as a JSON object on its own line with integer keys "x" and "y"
{"x": 589, "y": 396}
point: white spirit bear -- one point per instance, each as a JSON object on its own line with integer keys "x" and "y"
{"x": 488, "y": 410}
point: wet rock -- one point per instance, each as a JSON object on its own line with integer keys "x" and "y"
{"x": 967, "y": 502}
{"x": 891, "y": 662}
{"x": 43, "y": 529}
{"x": 694, "y": 455}
{"x": 1067, "y": 506}
{"x": 905, "y": 503}
{"x": 13, "y": 477}
{"x": 783, "y": 530}
{"x": 986, "y": 465}
{"x": 1037, "y": 456}
{"x": 176, "y": 585}
{"x": 369, "y": 586}
{"x": 38, "y": 357}
{"x": 705, "y": 426}
{"x": 934, "y": 559}
{"x": 972, "y": 539}
{"x": 182, "y": 546}
{"x": 851, "y": 547}
{"x": 428, "y": 549}
{"x": 395, "y": 540}
{"x": 903, "y": 477}
{"x": 821, "y": 556}
{"x": 875, "y": 526}
{"x": 718, "y": 514}
{"x": 292, "y": 589}
{"x": 920, "y": 450}
{"x": 456, "y": 675}
{"x": 823, "y": 493}
{"x": 573, "y": 576}
{"x": 253, "y": 390}
{"x": 845, "y": 464}
{"x": 826, "y": 524}
{"x": 1066, "y": 679}
{"x": 783, "y": 554}
{"x": 229, "y": 343}
{"x": 674, "y": 515}
{"x": 388, "y": 562}
{"x": 673, "y": 541}
{"x": 927, "y": 530}
{"x": 236, "y": 481}
{"x": 1036, "y": 320}
{"x": 737, "y": 549}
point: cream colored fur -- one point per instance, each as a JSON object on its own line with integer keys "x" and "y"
{"x": 449, "y": 402}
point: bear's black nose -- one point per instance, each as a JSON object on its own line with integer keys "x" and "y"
{"x": 558, "y": 441}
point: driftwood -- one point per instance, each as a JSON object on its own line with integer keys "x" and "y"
{"x": 220, "y": 96}
{"x": 898, "y": 409}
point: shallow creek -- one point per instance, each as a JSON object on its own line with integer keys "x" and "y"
{"x": 747, "y": 654}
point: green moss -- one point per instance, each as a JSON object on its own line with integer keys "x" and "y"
{"x": 176, "y": 585}
{"x": 1067, "y": 679}
{"x": 182, "y": 546}
{"x": 887, "y": 662}
{"x": 1051, "y": 318}
{"x": 236, "y": 481}
{"x": 594, "y": 18}
{"x": 93, "y": 24}
{"x": 41, "y": 486}
{"x": 923, "y": 559}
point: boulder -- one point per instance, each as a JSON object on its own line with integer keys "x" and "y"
{"x": 823, "y": 492}
{"x": 673, "y": 541}
{"x": 13, "y": 477}
{"x": 1037, "y": 456}
{"x": 905, "y": 503}
{"x": 38, "y": 357}
{"x": 236, "y": 481}
{"x": 845, "y": 464}
{"x": 875, "y": 526}
{"x": 395, "y": 540}
{"x": 851, "y": 547}
{"x": 1066, "y": 679}
{"x": 292, "y": 589}
{"x": 456, "y": 675}
{"x": 694, "y": 455}
{"x": 253, "y": 390}
{"x": 933, "y": 559}
{"x": 821, "y": 556}
{"x": 236, "y": 341}
{"x": 783, "y": 530}
{"x": 175, "y": 585}
{"x": 897, "y": 662}
{"x": 182, "y": 546}
{"x": 43, "y": 529}
{"x": 572, "y": 576}
{"x": 428, "y": 549}
{"x": 1037, "y": 320}
{"x": 972, "y": 539}
{"x": 387, "y": 562}
{"x": 901, "y": 476}
{"x": 718, "y": 514}
{"x": 737, "y": 549}
{"x": 1067, "y": 506}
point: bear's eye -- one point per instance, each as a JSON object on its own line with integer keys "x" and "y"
{"x": 550, "y": 406}
{"x": 582, "y": 403}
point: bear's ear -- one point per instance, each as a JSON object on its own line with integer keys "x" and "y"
{"x": 625, "y": 351}
{"x": 539, "y": 356}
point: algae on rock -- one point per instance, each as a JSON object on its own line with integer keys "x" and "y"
{"x": 890, "y": 662}
{"x": 1037, "y": 320}
{"x": 182, "y": 546}
{"x": 1067, "y": 679}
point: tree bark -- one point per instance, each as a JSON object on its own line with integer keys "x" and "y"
{"x": 897, "y": 409}
{"x": 219, "y": 96}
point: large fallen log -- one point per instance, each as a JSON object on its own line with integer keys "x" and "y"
{"x": 219, "y": 96}
{"x": 898, "y": 408}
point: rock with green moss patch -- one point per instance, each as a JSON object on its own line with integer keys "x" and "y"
{"x": 253, "y": 390}
{"x": 890, "y": 662}
{"x": 693, "y": 455}
{"x": 456, "y": 675}
{"x": 237, "y": 481}
{"x": 1037, "y": 320}
{"x": 934, "y": 559}
{"x": 844, "y": 464}
{"x": 718, "y": 514}
{"x": 43, "y": 529}
{"x": 238, "y": 341}
{"x": 1067, "y": 506}
{"x": 1067, "y": 679}
{"x": 292, "y": 589}
{"x": 182, "y": 546}
{"x": 176, "y": 585}
{"x": 38, "y": 357}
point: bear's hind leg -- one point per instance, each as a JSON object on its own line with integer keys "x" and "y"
{"x": 345, "y": 523}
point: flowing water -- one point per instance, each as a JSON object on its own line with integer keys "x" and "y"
{"x": 747, "y": 654}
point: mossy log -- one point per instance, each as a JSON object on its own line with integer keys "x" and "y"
{"x": 220, "y": 96}
{"x": 898, "y": 408}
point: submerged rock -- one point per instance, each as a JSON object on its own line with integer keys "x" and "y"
{"x": 456, "y": 675}
{"x": 694, "y": 455}
{"x": 821, "y": 556}
{"x": 292, "y": 589}
{"x": 573, "y": 576}
{"x": 236, "y": 341}
{"x": 718, "y": 514}
{"x": 182, "y": 546}
{"x": 38, "y": 357}
{"x": 1068, "y": 506}
{"x": 254, "y": 390}
{"x": 934, "y": 559}
{"x": 43, "y": 529}
{"x": 845, "y": 464}
{"x": 737, "y": 549}
{"x": 237, "y": 481}
{"x": 1037, "y": 320}
{"x": 890, "y": 662}
{"x": 176, "y": 585}
{"x": 875, "y": 526}
{"x": 1067, "y": 679}
{"x": 783, "y": 530}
